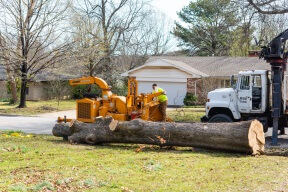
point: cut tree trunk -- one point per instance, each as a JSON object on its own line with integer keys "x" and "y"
{"x": 246, "y": 136}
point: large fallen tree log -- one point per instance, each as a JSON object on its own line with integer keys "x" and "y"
{"x": 246, "y": 136}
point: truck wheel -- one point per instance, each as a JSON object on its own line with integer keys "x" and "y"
{"x": 220, "y": 118}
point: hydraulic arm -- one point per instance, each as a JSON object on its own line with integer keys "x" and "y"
{"x": 275, "y": 54}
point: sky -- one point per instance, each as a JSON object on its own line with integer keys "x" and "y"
{"x": 170, "y": 7}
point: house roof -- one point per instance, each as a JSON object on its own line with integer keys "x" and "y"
{"x": 63, "y": 71}
{"x": 175, "y": 63}
{"x": 218, "y": 66}
{"x": 184, "y": 66}
{"x": 49, "y": 74}
{"x": 69, "y": 69}
{"x": 201, "y": 66}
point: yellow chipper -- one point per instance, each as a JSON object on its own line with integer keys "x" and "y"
{"x": 120, "y": 108}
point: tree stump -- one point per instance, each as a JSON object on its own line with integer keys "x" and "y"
{"x": 245, "y": 136}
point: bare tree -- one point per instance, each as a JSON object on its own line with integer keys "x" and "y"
{"x": 113, "y": 19}
{"x": 57, "y": 89}
{"x": 87, "y": 49}
{"x": 6, "y": 58}
{"x": 151, "y": 37}
{"x": 33, "y": 34}
{"x": 269, "y": 26}
{"x": 258, "y": 24}
{"x": 269, "y": 6}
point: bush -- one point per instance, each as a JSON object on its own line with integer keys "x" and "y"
{"x": 119, "y": 91}
{"x": 190, "y": 99}
{"x": 18, "y": 86}
{"x": 57, "y": 89}
{"x": 5, "y": 100}
{"x": 79, "y": 89}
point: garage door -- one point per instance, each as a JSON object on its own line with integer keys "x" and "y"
{"x": 175, "y": 91}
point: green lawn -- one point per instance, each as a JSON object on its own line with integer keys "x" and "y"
{"x": 46, "y": 162}
{"x": 37, "y": 107}
{"x": 184, "y": 115}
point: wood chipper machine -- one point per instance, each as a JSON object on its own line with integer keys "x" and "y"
{"x": 120, "y": 108}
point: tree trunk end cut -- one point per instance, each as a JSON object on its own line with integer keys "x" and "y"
{"x": 256, "y": 137}
{"x": 246, "y": 136}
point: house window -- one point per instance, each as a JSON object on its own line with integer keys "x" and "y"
{"x": 245, "y": 83}
{"x": 225, "y": 83}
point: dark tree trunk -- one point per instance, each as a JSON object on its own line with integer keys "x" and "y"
{"x": 23, "y": 94}
{"x": 13, "y": 90}
{"x": 23, "y": 86}
{"x": 245, "y": 136}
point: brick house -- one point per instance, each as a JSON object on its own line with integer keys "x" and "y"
{"x": 197, "y": 75}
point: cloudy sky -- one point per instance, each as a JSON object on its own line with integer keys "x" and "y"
{"x": 170, "y": 7}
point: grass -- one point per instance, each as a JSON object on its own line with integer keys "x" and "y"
{"x": 194, "y": 106}
{"x": 186, "y": 115}
{"x": 47, "y": 163}
{"x": 37, "y": 107}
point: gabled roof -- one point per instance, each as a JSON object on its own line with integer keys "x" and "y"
{"x": 183, "y": 66}
{"x": 175, "y": 63}
{"x": 218, "y": 66}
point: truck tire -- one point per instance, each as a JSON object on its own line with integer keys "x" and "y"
{"x": 220, "y": 118}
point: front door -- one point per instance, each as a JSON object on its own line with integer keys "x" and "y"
{"x": 244, "y": 94}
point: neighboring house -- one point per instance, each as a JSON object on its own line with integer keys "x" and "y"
{"x": 196, "y": 75}
{"x": 68, "y": 69}
{"x": 38, "y": 86}
{"x": 3, "y": 88}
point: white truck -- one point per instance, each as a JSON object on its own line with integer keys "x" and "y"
{"x": 250, "y": 98}
{"x": 256, "y": 95}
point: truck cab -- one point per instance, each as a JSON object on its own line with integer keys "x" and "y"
{"x": 248, "y": 98}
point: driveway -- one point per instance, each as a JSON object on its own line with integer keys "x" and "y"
{"x": 40, "y": 124}
{"x": 282, "y": 139}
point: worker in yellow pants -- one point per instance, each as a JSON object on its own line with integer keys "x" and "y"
{"x": 163, "y": 99}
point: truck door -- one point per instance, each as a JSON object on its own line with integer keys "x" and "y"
{"x": 258, "y": 95}
{"x": 244, "y": 95}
